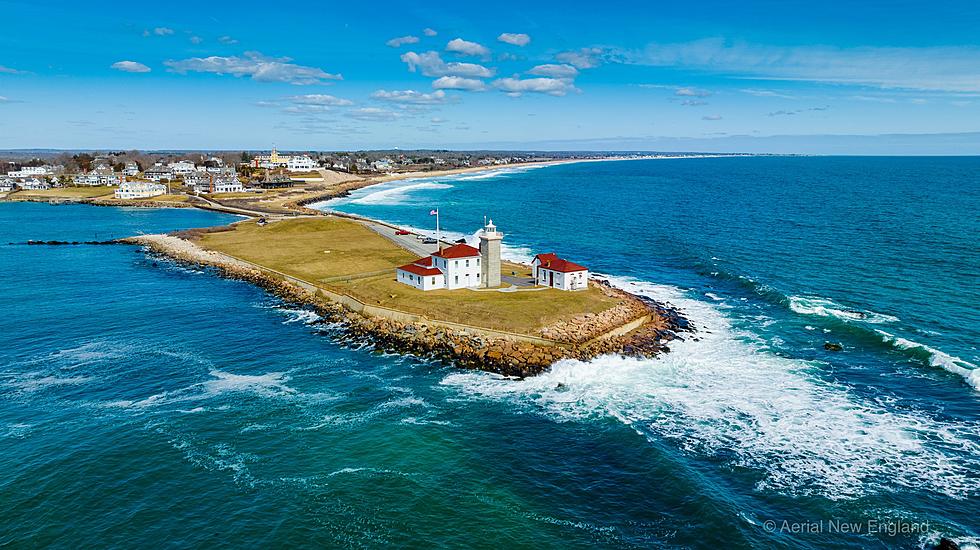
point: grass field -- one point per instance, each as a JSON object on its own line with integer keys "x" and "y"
{"x": 346, "y": 257}
{"x": 70, "y": 192}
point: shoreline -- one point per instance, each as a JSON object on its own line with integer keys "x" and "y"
{"x": 651, "y": 328}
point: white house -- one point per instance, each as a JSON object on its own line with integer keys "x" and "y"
{"x": 550, "y": 270}
{"x": 158, "y": 172}
{"x": 140, "y": 190}
{"x": 300, "y": 163}
{"x": 131, "y": 169}
{"x": 32, "y": 184}
{"x": 455, "y": 267}
{"x": 30, "y": 171}
{"x": 6, "y": 184}
{"x": 98, "y": 176}
{"x": 182, "y": 167}
{"x": 228, "y": 185}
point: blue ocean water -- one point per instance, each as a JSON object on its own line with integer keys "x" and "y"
{"x": 142, "y": 402}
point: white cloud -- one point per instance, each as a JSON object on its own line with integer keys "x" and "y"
{"x": 798, "y": 111}
{"x": 585, "y": 58}
{"x": 320, "y": 99}
{"x": 227, "y": 40}
{"x": 554, "y": 71}
{"x": 465, "y": 47}
{"x": 765, "y": 93}
{"x": 130, "y": 67}
{"x": 429, "y": 32}
{"x": 693, "y": 103}
{"x": 437, "y": 120}
{"x": 515, "y": 39}
{"x": 8, "y": 70}
{"x": 550, "y": 86}
{"x": 196, "y": 39}
{"x": 430, "y": 64}
{"x": 691, "y": 92}
{"x": 940, "y": 68}
{"x": 401, "y": 41}
{"x": 163, "y": 31}
{"x": 259, "y": 67}
{"x": 711, "y": 117}
{"x": 373, "y": 114}
{"x": 4, "y": 99}
{"x": 411, "y": 97}
{"x": 459, "y": 83}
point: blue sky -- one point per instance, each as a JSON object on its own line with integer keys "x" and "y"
{"x": 567, "y": 75}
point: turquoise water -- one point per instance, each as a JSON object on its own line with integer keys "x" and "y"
{"x": 144, "y": 403}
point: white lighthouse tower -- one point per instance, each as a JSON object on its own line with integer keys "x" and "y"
{"x": 490, "y": 256}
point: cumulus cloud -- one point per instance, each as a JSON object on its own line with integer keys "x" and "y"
{"x": 259, "y": 67}
{"x": 196, "y": 39}
{"x": 551, "y": 86}
{"x": 584, "y": 58}
{"x": 430, "y": 64}
{"x": 938, "y": 68}
{"x": 693, "y": 103}
{"x": 401, "y": 41}
{"x": 130, "y": 67}
{"x": 515, "y": 39}
{"x": 163, "y": 31}
{"x": 711, "y": 117}
{"x": 411, "y": 97}
{"x": 459, "y": 83}
{"x": 765, "y": 93}
{"x": 429, "y": 32}
{"x": 227, "y": 40}
{"x": 320, "y": 99}
{"x": 8, "y": 70}
{"x": 554, "y": 71}
{"x": 373, "y": 114}
{"x": 4, "y": 99}
{"x": 465, "y": 47}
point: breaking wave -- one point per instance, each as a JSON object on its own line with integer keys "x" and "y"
{"x": 400, "y": 194}
{"x": 936, "y": 358}
{"x": 726, "y": 396}
{"x": 825, "y": 307}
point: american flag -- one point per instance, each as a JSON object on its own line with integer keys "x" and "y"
{"x": 433, "y": 212}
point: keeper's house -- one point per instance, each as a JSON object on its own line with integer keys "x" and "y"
{"x": 555, "y": 272}
{"x": 455, "y": 267}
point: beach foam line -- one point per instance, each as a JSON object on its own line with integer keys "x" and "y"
{"x": 272, "y": 384}
{"x": 726, "y": 396}
{"x": 937, "y": 358}
{"x": 397, "y": 194}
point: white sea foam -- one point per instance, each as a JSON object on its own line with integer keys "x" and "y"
{"x": 399, "y": 194}
{"x": 304, "y": 316}
{"x": 271, "y": 384}
{"x": 725, "y": 396}
{"x": 938, "y": 358}
{"x": 825, "y": 307}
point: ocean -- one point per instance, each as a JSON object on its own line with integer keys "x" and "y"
{"x": 143, "y": 402}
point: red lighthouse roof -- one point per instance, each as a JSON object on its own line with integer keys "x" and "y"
{"x": 553, "y": 262}
{"x": 457, "y": 251}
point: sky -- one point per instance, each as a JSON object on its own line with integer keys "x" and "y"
{"x": 838, "y": 77}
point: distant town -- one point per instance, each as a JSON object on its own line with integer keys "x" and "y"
{"x": 141, "y": 175}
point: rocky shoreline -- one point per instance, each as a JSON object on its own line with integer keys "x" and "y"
{"x": 464, "y": 348}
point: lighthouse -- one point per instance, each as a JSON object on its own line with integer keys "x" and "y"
{"x": 490, "y": 255}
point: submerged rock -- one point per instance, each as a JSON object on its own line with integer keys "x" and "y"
{"x": 833, "y": 346}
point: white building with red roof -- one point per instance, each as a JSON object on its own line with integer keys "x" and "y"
{"x": 455, "y": 267}
{"x": 550, "y": 270}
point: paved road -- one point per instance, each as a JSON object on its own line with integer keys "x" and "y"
{"x": 408, "y": 242}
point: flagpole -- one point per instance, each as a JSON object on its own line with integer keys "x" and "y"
{"x": 438, "y": 235}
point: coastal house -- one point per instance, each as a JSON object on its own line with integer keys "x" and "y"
{"x": 182, "y": 167}
{"x": 552, "y": 271}
{"x": 32, "y": 184}
{"x": 139, "y": 190}
{"x": 158, "y": 172}
{"x": 459, "y": 266}
{"x": 223, "y": 181}
{"x": 31, "y": 171}
{"x": 131, "y": 169}
{"x": 6, "y": 184}
{"x": 99, "y": 176}
{"x": 301, "y": 163}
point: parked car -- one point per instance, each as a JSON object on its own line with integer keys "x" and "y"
{"x": 402, "y": 232}
{"x": 429, "y": 240}
{"x": 460, "y": 241}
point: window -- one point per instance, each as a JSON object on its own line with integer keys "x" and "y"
{"x": 457, "y": 279}
{"x": 467, "y": 263}
{"x": 433, "y": 280}
{"x": 477, "y": 275}
{"x": 478, "y": 261}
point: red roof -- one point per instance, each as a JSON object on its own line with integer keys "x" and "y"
{"x": 426, "y": 261}
{"x": 419, "y": 270}
{"x": 458, "y": 251}
{"x": 553, "y": 262}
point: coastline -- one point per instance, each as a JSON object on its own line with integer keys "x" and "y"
{"x": 651, "y": 326}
